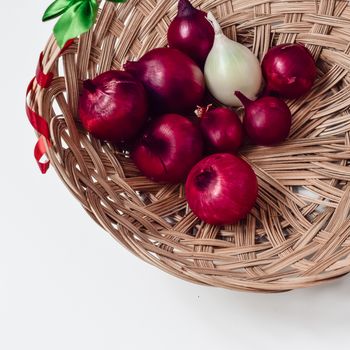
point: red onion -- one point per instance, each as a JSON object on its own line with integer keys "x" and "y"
{"x": 221, "y": 189}
{"x": 168, "y": 149}
{"x": 191, "y": 33}
{"x": 289, "y": 70}
{"x": 113, "y": 106}
{"x": 267, "y": 120}
{"x": 221, "y": 128}
{"x": 173, "y": 81}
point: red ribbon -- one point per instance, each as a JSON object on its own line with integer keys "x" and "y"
{"x": 66, "y": 45}
{"x": 42, "y": 127}
{"x": 37, "y": 121}
{"x": 39, "y": 150}
{"x": 44, "y": 80}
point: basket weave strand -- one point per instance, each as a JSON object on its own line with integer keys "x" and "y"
{"x": 298, "y": 234}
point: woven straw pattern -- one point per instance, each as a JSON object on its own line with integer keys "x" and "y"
{"x": 293, "y": 238}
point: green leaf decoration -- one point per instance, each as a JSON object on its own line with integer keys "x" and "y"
{"x": 77, "y": 17}
{"x": 56, "y": 9}
{"x": 77, "y": 20}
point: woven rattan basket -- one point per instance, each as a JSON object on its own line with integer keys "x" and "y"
{"x": 298, "y": 234}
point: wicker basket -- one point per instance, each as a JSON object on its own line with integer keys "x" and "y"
{"x": 298, "y": 234}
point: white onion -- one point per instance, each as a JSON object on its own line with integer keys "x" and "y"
{"x": 231, "y": 67}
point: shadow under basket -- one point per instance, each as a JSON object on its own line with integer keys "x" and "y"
{"x": 298, "y": 234}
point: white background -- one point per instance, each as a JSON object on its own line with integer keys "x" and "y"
{"x": 65, "y": 284}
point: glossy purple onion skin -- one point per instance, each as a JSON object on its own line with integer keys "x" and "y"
{"x": 191, "y": 33}
{"x": 221, "y": 189}
{"x": 289, "y": 70}
{"x": 222, "y": 130}
{"x": 267, "y": 121}
{"x": 113, "y": 106}
{"x": 168, "y": 149}
{"x": 174, "y": 82}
